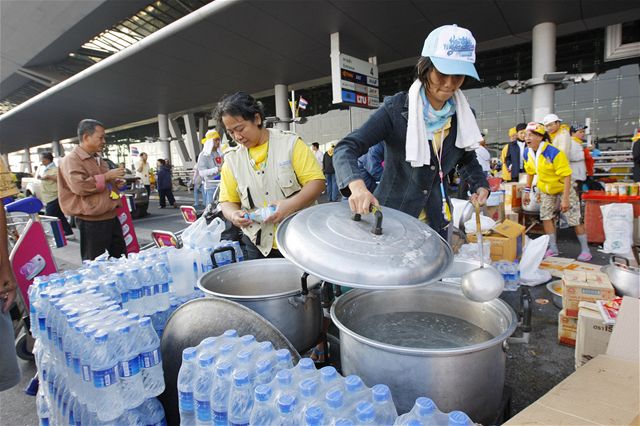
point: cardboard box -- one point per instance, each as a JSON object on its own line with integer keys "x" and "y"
{"x": 506, "y": 240}
{"x": 592, "y": 336}
{"x": 574, "y": 292}
{"x": 558, "y": 265}
{"x": 604, "y": 391}
{"x": 513, "y": 194}
{"x": 567, "y": 329}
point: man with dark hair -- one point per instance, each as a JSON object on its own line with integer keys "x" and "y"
{"x": 315, "y": 147}
{"x": 514, "y": 160}
{"x": 88, "y": 190}
{"x": 142, "y": 172}
{"x": 48, "y": 174}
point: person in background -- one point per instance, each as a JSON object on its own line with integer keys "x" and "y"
{"x": 330, "y": 173}
{"x": 142, "y": 172}
{"x": 484, "y": 157}
{"x": 48, "y": 174}
{"x": 198, "y": 189}
{"x": 371, "y": 165}
{"x": 514, "y": 158}
{"x": 635, "y": 150}
{"x": 579, "y": 167}
{"x": 427, "y": 133}
{"x": 560, "y": 137}
{"x": 506, "y": 174}
{"x": 9, "y": 368}
{"x": 209, "y": 163}
{"x": 554, "y": 185}
{"x": 88, "y": 190}
{"x": 269, "y": 167}
{"x": 315, "y": 147}
{"x": 164, "y": 184}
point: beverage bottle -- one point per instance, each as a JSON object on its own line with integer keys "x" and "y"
{"x": 283, "y": 360}
{"x": 306, "y": 368}
{"x": 261, "y": 214}
{"x": 150, "y": 358}
{"x": 384, "y": 407}
{"x": 202, "y": 389}
{"x": 263, "y": 413}
{"x": 248, "y": 342}
{"x": 344, "y": 422}
{"x": 244, "y": 361}
{"x": 87, "y": 388}
{"x": 123, "y": 288}
{"x": 283, "y": 383}
{"x": 307, "y": 396}
{"x": 161, "y": 286}
{"x": 129, "y": 371}
{"x": 313, "y": 416}
{"x": 458, "y": 418}
{"x": 265, "y": 350}
{"x": 355, "y": 391}
{"x": 240, "y": 399}
{"x": 366, "y": 415}
{"x": 186, "y": 377}
{"x": 153, "y": 413}
{"x": 220, "y": 393}
{"x": 264, "y": 372}
{"x": 424, "y": 410}
{"x": 286, "y": 410}
{"x": 228, "y": 337}
{"x": 334, "y": 400}
{"x": 226, "y": 353}
{"x": 42, "y": 405}
{"x": 104, "y": 364}
{"x": 147, "y": 280}
{"x": 207, "y": 346}
{"x": 329, "y": 379}
{"x": 238, "y": 250}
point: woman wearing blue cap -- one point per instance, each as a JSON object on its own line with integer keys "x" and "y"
{"x": 427, "y": 132}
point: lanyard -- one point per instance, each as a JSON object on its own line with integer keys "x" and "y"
{"x": 538, "y": 153}
{"x": 446, "y": 211}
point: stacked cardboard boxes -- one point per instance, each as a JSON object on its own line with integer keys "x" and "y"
{"x": 593, "y": 334}
{"x": 506, "y": 238}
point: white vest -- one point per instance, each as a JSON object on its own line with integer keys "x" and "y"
{"x": 259, "y": 188}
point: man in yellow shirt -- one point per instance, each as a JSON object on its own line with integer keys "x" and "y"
{"x": 506, "y": 173}
{"x": 269, "y": 167}
{"x": 554, "y": 186}
{"x": 48, "y": 175}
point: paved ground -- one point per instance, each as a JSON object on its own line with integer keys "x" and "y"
{"x": 532, "y": 369}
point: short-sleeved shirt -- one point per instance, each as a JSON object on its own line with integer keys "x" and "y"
{"x": 49, "y": 191}
{"x": 303, "y": 161}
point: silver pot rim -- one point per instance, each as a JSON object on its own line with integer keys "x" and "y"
{"x": 253, "y": 298}
{"x": 502, "y": 305}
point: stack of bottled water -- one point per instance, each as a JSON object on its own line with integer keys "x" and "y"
{"x": 232, "y": 380}
{"x": 98, "y": 363}
{"x": 425, "y": 413}
{"x": 510, "y": 274}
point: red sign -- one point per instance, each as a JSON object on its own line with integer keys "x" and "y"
{"x": 128, "y": 232}
{"x": 361, "y": 99}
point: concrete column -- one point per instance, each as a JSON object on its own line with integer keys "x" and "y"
{"x": 193, "y": 143}
{"x": 202, "y": 128}
{"x": 543, "y": 62}
{"x": 283, "y": 111}
{"x": 26, "y": 161}
{"x": 57, "y": 149}
{"x": 164, "y": 141}
{"x": 174, "y": 128}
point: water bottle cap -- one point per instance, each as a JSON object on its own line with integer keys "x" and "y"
{"x": 226, "y": 348}
{"x": 148, "y": 267}
{"x": 265, "y": 346}
{"x": 145, "y": 322}
{"x": 306, "y": 364}
{"x": 283, "y": 355}
{"x": 425, "y": 406}
{"x": 353, "y": 383}
{"x": 263, "y": 366}
{"x": 365, "y": 411}
{"x": 308, "y": 387}
{"x": 334, "y": 398}
{"x": 248, "y": 339}
{"x": 101, "y": 336}
{"x": 133, "y": 317}
{"x": 458, "y": 418}
{"x": 208, "y": 343}
{"x": 284, "y": 377}
{"x": 241, "y": 377}
{"x": 123, "y": 329}
{"x": 230, "y": 333}
{"x": 344, "y": 422}
{"x": 223, "y": 369}
{"x": 286, "y": 403}
{"x": 314, "y": 415}
{"x": 381, "y": 393}
{"x": 244, "y": 356}
{"x": 263, "y": 392}
{"x": 206, "y": 360}
{"x": 189, "y": 354}
{"x": 328, "y": 374}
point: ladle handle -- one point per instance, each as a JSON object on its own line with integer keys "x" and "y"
{"x": 377, "y": 226}
{"x": 476, "y": 205}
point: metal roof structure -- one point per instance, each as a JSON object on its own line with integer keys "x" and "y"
{"x": 250, "y": 45}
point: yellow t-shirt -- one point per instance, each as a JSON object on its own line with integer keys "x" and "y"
{"x": 304, "y": 165}
{"x": 438, "y": 137}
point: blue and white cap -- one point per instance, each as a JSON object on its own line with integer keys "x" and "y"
{"x": 452, "y": 49}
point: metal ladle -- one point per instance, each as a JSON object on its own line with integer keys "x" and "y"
{"x": 482, "y": 284}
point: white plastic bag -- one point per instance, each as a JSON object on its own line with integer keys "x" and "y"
{"x": 200, "y": 235}
{"x": 529, "y": 267}
{"x": 486, "y": 224}
{"x": 617, "y": 221}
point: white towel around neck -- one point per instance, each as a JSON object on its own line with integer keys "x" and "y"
{"x": 468, "y": 136}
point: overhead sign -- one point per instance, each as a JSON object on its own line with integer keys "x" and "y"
{"x": 355, "y": 82}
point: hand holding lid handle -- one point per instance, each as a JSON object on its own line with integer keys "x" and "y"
{"x": 377, "y": 227}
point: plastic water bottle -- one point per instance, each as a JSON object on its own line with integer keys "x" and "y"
{"x": 129, "y": 371}
{"x": 42, "y": 406}
{"x": 366, "y": 415}
{"x": 161, "y": 286}
{"x": 344, "y": 422}
{"x": 260, "y": 215}
{"x": 147, "y": 280}
{"x": 136, "y": 292}
{"x": 283, "y": 384}
{"x": 104, "y": 363}
{"x": 202, "y": 389}
{"x": 186, "y": 376}
{"x": 329, "y": 379}
{"x": 286, "y": 410}
{"x": 335, "y": 405}
{"x": 265, "y": 350}
{"x": 153, "y": 413}
{"x": 355, "y": 391}
{"x": 207, "y": 347}
{"x": 313, "y": 416}
{"x": 307, "y": 396}
{"x": 244, "y": 361}
{"x": 424, "y": 411}
{"x": 220, "y": 393}
{"x": 264, "y": 372}
{"x": 458, "y": 418}
{"x": 263, "y": 413}
{"x": 240, "y": 399}
{"x": 305, "y": 368}
{"x": 152, "y": 374}
{"x": 384, "y": 407}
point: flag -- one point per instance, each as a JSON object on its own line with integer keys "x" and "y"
{"x": 302, "y": 103}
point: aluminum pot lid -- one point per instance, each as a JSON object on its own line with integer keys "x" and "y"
{"x": 328, "y": 242}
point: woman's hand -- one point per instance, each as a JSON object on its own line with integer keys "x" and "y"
{"x": 284, "y": 208}
{"x": 564, "y": 204}
{"x": 361, "y": 199}
{"x": 480, "y": 196}
{"x": 238, "y": 219}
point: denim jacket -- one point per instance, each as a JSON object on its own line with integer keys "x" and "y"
{"x": 403, "y": 187}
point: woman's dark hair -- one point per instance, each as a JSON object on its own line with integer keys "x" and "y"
{"x": 240, "y": 104}
{"x": 423, "y": 68}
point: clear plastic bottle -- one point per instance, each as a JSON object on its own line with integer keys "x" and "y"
{"x": 152, "y": 374}
{"x": 366, "y": 415}
{"x": 287, "y": 410}
{"x": 458, "y": 418}
{"x": 329, "y": 379}
{"x": 308, "y": 396}
{"x": 153, "y": 413}
{"x": 207, "y": 346}
{"x": 186, "y": 377}
{"x": 355, "y": 391}
{"x": 263, "y": 413}
{"x": 424, "y": 410}
{"x": 304, "y": 369}
{"x": 104, "y": 363}
{"x": 240, "y": 399}
{"x": 202, "y": 389}
{"x": 147, "y": 279}
{"x": 261, "y": 214}
{"x": 385, "y": 409}
{"x": 265, "y": 350}
{"x": 244, "y": 361}
{"x": 283, "y": 383}
{"x": 161, "y": 286}
{"x": 283, "y": 360}
{"x": 264, "y": 372}
{"x": 129, "y": 371}
{"x": 334, "y": 400}
{"x": 313, "y": 416}
{"x": 42, "y": 405}
{"x": 220, "y": 393}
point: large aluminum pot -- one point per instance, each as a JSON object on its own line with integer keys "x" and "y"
{"x": 469, "y": 378}
{"x": 624, "y": 277}
{"x": 274, "y": 289}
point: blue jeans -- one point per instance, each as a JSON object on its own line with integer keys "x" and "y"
{"x": 208, "y": 195}
{"x": 332, "y": 187}
{"x": 196, "y": 192}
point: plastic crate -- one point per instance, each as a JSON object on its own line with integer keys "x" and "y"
{"x": 593, "y": 215}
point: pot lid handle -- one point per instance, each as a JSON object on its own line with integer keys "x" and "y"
{"x": 616, "y": 260}
{"x": 377, "y": 226}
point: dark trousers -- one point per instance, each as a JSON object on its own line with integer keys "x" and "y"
{"x": 100, "y": 235}
{"x": 53, "y": 209}
{"x": 168, "y": 194}
{"x": 332, "y": 187}
{"x": 251, "y": 252}
{"x": 148, "y": 188}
